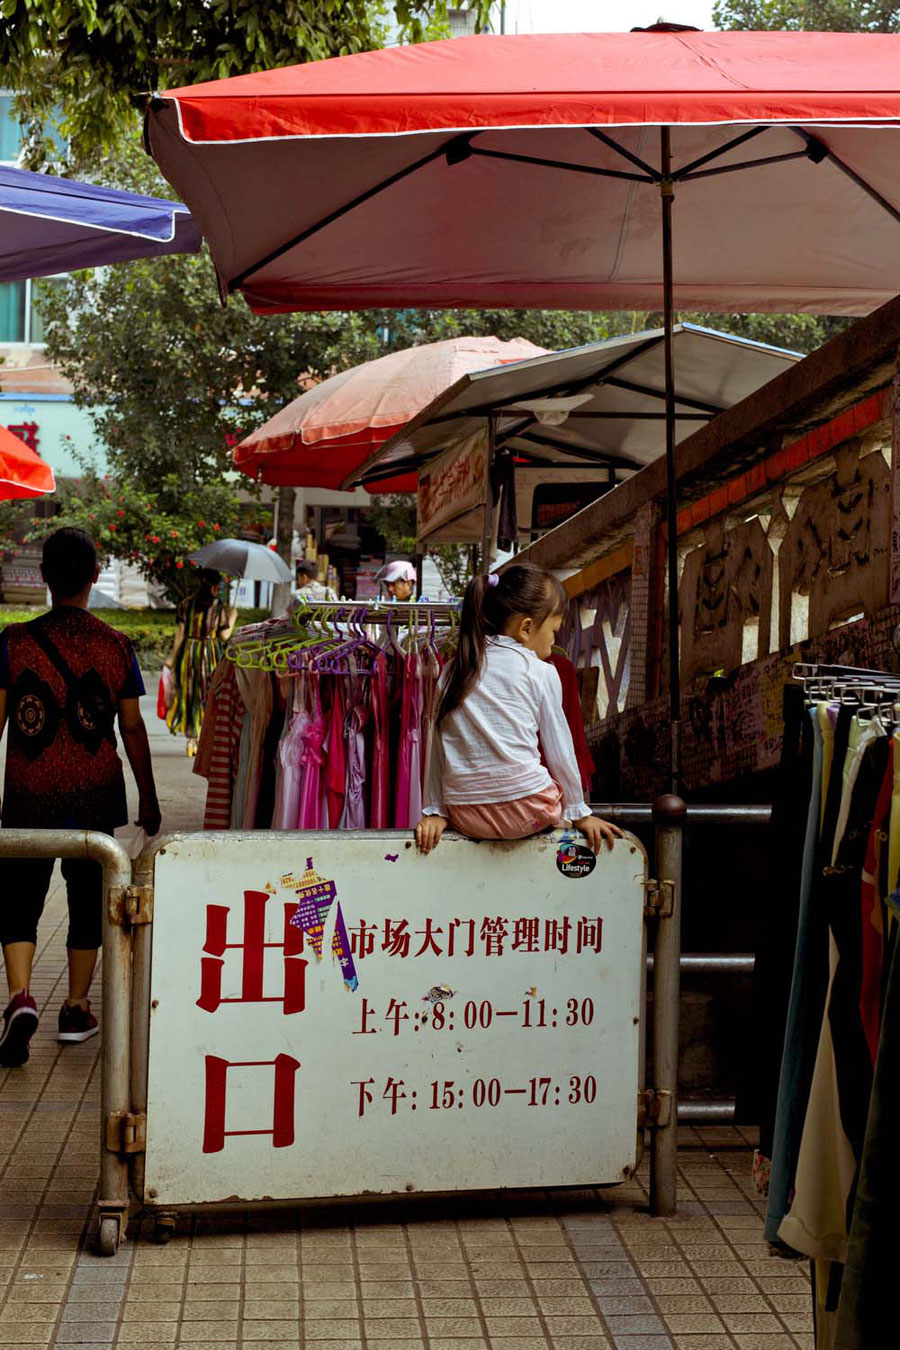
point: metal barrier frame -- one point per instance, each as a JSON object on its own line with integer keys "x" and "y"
{"x": 115, "y": 1087}
{"x": 127, "y": 961}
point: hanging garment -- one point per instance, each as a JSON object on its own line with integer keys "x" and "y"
{"x": 409, "y": 773}
{"x": 313, "y": 760}
{"x": 353, "y": 816}
{"x": 380, "y": 806}
{"x": 265, "y": 801}
{"x": 336, "y": 754}
{"x": 290, "y": 753}
{"x": 868, "y": 1302}
{"x": 217, "y": 756}
{"x": 778, "y": 920}
{"x": 831, "y": 1143}
{"x": 872, "y": 917}
{"x": 259, "y": 704}
{"x": 431, "y": 674}
{"x": 810, "y": 978}
{"x": 572, "y": 709}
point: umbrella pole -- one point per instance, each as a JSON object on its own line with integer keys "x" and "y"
{"x": 487, "y": 524}
{"x": 668, "y": 810}
{"x": 667, "y": 196}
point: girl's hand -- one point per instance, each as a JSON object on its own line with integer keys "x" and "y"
{"x": 596, "y": 831}
{"x": 429, "y": 831}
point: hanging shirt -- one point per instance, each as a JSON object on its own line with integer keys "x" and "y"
{"x": 489, "y": 748}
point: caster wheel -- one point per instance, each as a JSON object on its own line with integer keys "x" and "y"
{"x": 109, "y": 1236}
{"x": 164, "y": 1229}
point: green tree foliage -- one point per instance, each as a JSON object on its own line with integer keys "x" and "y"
{"x": 155, "y": 530}
{"x": 93, "y": 57}
{"x": 815, "y": 16}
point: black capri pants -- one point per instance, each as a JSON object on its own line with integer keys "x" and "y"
{"x": 24, "y": 883}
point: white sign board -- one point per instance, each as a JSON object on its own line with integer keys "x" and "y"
{"x": 472, "y": 1022}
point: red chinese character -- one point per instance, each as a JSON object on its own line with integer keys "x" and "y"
{"x": 396, "y": 937}
{"x": 589, "y": 934}
{"x": 254, "y": 947}
{"x": 556, "y": 935}
{"x": 493, "y": 933}
{"x": 365, "y": 1096}
{"x": 367, "y": 1011}
{"x": 27, "y": 432}
{"x": 526, "y": 935}
{"x": 394, "y": 1093}
{"x": 282, "y": 1131}
{"x": 429, "y": 935}
{"x": 451, "y": 937}
{"x": 397, "y": 1012}
{"x": 362, "y": 939}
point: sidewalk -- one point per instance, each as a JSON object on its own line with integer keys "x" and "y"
{"x": 564, "y": 1271}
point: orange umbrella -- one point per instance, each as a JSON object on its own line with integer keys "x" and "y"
{"x": 326, "y": 433}
{"x": 22, "y": 471}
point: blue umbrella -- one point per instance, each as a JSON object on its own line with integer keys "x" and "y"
{"x": 50, "y": 225}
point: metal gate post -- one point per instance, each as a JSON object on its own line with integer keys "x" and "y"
{"x": 668, "y": 815}
{"x": 102, "y": 848}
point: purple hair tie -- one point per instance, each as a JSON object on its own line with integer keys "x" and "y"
{"x": 492, "y": 579}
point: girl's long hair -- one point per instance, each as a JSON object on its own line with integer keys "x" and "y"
{"x": 486, "y": 610}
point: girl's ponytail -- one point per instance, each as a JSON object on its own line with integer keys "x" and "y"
{"x": 467, "y": 660}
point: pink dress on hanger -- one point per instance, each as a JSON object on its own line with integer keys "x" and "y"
{"x": 380, "y": 811}
{"x": 312, "y": 789}
{"x": 354, "y": 813}
{"x": 408, "y": 807}
{"x": 290, "y": 753}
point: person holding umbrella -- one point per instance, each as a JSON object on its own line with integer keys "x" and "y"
{"x": 204, "y": 626}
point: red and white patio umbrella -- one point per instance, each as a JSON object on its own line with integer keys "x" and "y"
{"x": 321, "y": 438}
{"x": 541, "y": 170}
{"x": 22, "y": 471}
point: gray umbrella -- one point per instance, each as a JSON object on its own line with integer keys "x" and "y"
{"x": 239, "y": 558}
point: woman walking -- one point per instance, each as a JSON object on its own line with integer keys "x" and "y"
{"x": 204, "y": 626}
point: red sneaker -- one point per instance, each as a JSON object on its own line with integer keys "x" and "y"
{"x": 76, "y": 1024}
{"x": 20, "y": 1022}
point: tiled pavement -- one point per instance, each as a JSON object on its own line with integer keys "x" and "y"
{"x": 560, "y": 1272}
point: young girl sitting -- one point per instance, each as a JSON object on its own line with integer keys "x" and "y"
{"x": 500, "y": 705}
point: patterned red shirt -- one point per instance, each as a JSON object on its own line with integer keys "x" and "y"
{"x": 62, "y": 772}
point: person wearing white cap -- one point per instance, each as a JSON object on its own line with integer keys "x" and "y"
{"x": 398, "y": 578}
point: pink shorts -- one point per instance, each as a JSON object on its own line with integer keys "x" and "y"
{"x": 510, "y": 820}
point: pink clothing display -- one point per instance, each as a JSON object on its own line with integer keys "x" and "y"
{"x": 312, "y": 758}
{"x": 379, "y": 814}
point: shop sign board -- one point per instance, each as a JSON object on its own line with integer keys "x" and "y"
{"x": 335, "y": 1014}
{"x": 452, "y": 491}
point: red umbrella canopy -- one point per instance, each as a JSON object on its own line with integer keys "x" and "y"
{"x": 526, "y": 171}
{"x": 22, "y": 471}
{"x": 320, "y": 438}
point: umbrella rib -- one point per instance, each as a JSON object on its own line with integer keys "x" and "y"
{"x": 818, "y": 150}
{"x": 446, "y": 149}
{"x": 717, "y": 153}
{"x": 540, "y": 162}
{"x": 744, "y": 164}
{"x": 613, "y": 144}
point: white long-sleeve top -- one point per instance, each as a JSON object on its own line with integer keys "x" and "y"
{"x": 489, "y": 748}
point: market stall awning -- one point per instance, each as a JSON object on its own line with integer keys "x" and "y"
{"x": 50, "y": 225}
{"x": 601, "y": 405}
{"x": 22, "y": 471}
{"x": 324, "y": 436}
{"x": 525, "y": 171}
